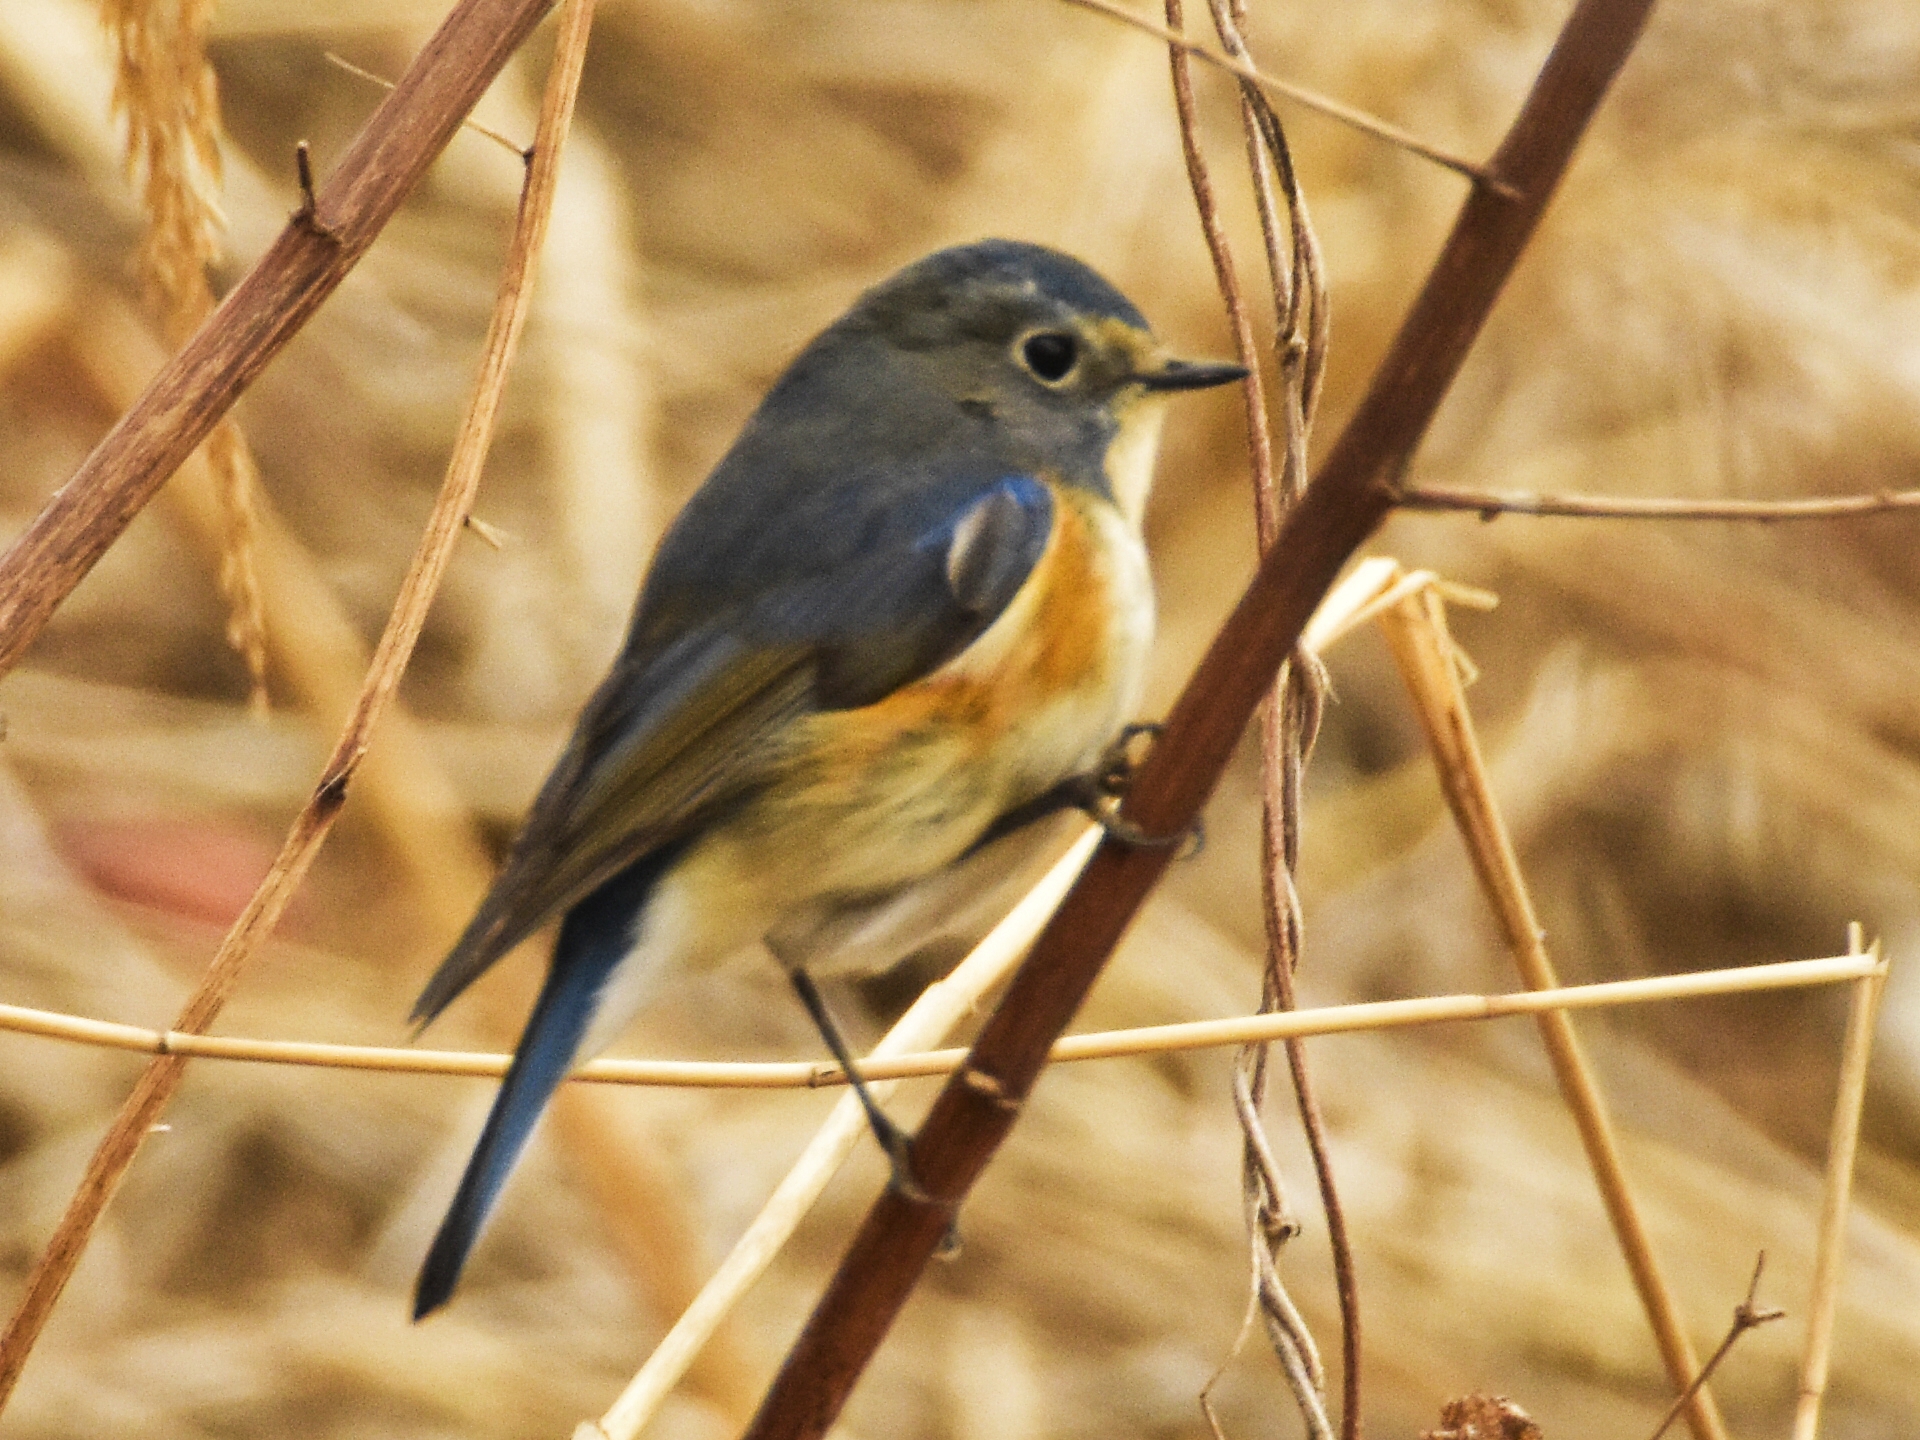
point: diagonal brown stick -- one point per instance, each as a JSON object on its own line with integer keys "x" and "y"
{"x": 264, "y": 311}
{"x": 1346, "y": 501}
{"x": 162, "y": 1077}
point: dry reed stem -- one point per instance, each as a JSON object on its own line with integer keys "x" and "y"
{"x": 162, "y": 1077}
{"x": 1489, "y": 504}
{"x": 973, "y": 1113}
{"x": 1299, "y": 94}
{"x": 1103, "y": 1045}
{"x": 1416, "y": 631}
{"x": 299, "y": 270}
{"x": 939, "y": 1008}
{"x": 1844, "y": 1140}
{"x": 1375, "y": 585}
{"x": 165, "y": 90}
{"x": 1747, "y": 1315}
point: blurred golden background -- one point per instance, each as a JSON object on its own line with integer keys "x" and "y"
{"x": 1706, "y": 736}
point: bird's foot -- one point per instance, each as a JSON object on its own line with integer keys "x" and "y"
{"x": 897, "y": 1145}
{"x": 1103, "y": 790}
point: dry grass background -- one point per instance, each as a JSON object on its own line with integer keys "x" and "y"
{"x": 1706, "y": 737}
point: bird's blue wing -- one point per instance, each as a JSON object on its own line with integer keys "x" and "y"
{"x": 911, "y": 599}
{"x": 721, "y": 658}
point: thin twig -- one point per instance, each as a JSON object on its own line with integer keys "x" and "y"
{"x": 1226, "y": 275}
{"x": 1842, "y": 1143}
{"x": 1332, "y": 109}
{"x": 1416, "y": 632}
{"x": 1491, "y": 504}
{"x": 489, "y": 534}
{"x": 1747, "y": 1315}
{"x": 973, "y": 1113}
{"x": 1102, "y": 1045}
{"x": 162, "y": 1077}
{"x": 525, "y": 152}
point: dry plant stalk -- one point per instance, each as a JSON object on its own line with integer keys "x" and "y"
{"x": 1269, "y": 1219}
{"x": 974, "y": 1111}
{"x": 265, "y": 310}
{"x": 1842, "y": 1143}
{"x": 1098, "y": 1045}
{"x": 166, "y": 91}
{"x": 1416, "y": 630}
{"x": 311, "y": 827}
{"x": 1290, "y": 719}
{"x": 1490, "y": 504}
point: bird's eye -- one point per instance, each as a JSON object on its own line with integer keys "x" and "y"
{"x": 1050, "y": 355}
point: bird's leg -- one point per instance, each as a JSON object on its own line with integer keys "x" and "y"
{"x": 893, "y": 1140}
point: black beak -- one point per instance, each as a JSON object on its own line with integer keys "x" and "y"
{"x": 1192, "y": 375}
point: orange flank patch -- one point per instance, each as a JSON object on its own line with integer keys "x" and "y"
{"x": 1071, "y": 610}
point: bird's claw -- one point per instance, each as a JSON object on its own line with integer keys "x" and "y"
{"x": 898, "y": 1146}
{"x": 1103, "y": 790}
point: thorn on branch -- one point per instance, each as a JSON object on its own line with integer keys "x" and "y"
{"x": 308, "y": 216}
{"x": 489, "y": 534}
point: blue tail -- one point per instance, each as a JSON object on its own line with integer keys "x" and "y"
{"x": 596, "y": 935}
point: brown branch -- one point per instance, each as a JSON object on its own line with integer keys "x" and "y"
{"x": 300, "y": 269}
{"x": 975, "y": 1110}
{"x": 1491, "y": 504}
{"x": 1747, "y": 1315}
{"x": 162, "y": 1076}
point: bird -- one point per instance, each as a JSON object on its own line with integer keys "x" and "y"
{"x": 906, "y": 614}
